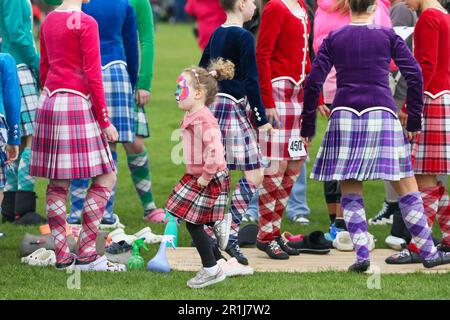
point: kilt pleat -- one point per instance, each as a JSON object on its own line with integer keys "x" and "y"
{"x": 29, "y": 99}
{"x": 68, "y": 142}
{"x": 363, "y": 147}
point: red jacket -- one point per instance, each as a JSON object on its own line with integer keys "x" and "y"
{"x": 432, "y": 51}
{"x": 282, "y": 49}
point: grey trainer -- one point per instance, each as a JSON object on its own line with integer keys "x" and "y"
{"x": 203, "y": 279}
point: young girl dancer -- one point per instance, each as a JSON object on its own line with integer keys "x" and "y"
{"x": 201, "y": 195}
{"x": 431, "y": 150}
{"x": 9, "y": 117}
{"x": 72, "y": 108}
{"x": 364, "y": 139}
{"x": 120, "y": 62}
{"x": 283, "y": 62}
{"x": 16, "y": 30}
{"x": 236, "y": 44}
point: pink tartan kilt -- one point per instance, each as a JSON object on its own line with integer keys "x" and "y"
{"x": 200, "y": 206}
{"x": 289, "y": 104}
{"x": 68, "y": 142}
{"x": 431, "y": 151}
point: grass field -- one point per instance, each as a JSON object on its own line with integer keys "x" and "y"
{"x": 176, "y": 49}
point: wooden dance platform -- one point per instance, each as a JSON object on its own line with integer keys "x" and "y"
{"x": 187, "y": 259}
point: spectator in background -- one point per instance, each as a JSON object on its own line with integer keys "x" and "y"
{"x": 209, "y": 15}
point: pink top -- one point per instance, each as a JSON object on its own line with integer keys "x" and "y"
{"x": 209, "y": 15}
{"x": 70, "y": 59}
{"x": 204, "y": 153}
{"x": 328, "y": 19}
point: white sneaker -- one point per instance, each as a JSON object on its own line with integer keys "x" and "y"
{"x": 119, "y": 235}
{"x": 248, "y": 218}
{"x": 301, "y": 220}
{"x": 395, "y": 243}
{"x": 203, "y": 279}
{"x": 101, "y": 264}
{"x": 222, "y": 230}
{"x": 33, "y": 256}
{"x": 343, "y": 241}
{"x": 233, "y": 268}
{"x": 117, "y": 224}
{"x": 148, "y": 235}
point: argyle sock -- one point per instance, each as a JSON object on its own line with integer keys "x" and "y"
{"x": 242, "y": 196}
{"x": 284, "y": 191}
{"x": 267, "y": 202}
{"x": 355, "y": 219}
{"x": 412, "y": 209}
{"x": 443, "y": 215}
{"x": 78, "y": 190}
{"x": 56, "y": 213}
{"x": 93, "y": 210}
{"x": 25, "y": 181}
{"x": 109, "y": 211}
{"x": 140, "y": 173}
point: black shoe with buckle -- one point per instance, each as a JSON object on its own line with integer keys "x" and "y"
{"x": 443, "y": 247}
{"x": 443, "y": 258}
{"x": 360, "y": 266}
{"x": 406, "y": 256}
{"x": 286, "y": 248}
{"x": 273, "y": 250}
{"x": 235, "y": 252}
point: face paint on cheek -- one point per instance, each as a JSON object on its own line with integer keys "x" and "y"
{"x": 182, "y": 89}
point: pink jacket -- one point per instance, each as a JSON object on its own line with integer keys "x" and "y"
{"x": 209, "y": 15}
{"x": 326, "y": 20}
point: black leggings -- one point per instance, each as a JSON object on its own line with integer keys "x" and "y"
{"x": 203, "y": 244}
{"x": 332, "y": 191}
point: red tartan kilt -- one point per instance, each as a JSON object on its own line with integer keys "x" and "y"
{"x": 431, "y": 151}
{"x": 200, "y": 205}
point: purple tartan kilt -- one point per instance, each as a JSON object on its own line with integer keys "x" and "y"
{"x": 200, "y": 206}
{"x": 68, "y": 142}
{"x": 363, "y": 147}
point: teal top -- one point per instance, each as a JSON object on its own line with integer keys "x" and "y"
{"x": 16, "y": 29}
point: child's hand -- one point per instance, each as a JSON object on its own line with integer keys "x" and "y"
{"x": 403, "y": 117}
{"x": 324, "y": 111}
{"x": 142, "y": 97}
{"x": 412, "y": 135}
{"x": 273, "y": 117}
{"x": 306, "y": 141}
{"x": 202, "y": 183}
{"x": 266, "y": 128}
{"x": 111, "y": 133}
{"x": 12, "y": 153}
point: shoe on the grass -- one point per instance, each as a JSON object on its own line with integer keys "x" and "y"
{"x": 44, "y": 259}
{"x": 360, "y": 266}
{"x": 343, "y": 241}
{"x": 155, "y": 215}
{"x": 443, "y": 258}
{"x": 119, "y": 235}
{"x": 395, "y": 243}
{"x": 33, "y": 256}
{"x": 330, "y": 236}
{"x": 286, "y": 248}
{"x": 119, "y": 252}
{"x": 235, "y": 252}
{"x": 222, "y": 230}
{"x": 406, "y": 256}
{"x": 232, "y": 268}
{"x": 314, "y": 243}
{"x": 2, "y": 235}
{"x": 273, "y": 250}
{"x": 385, "y": 215}
{"x": 100, "y": 264}
{"x": 301, "y": 219}
{"x": 111, "y": 222}
{"x": 203, "y": 279}
{"x": 148, "y": 236}
{"x": 290, "y": 237}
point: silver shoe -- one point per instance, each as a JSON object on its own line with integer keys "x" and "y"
{"x": 222, "y": 231}
{"x": 204, "y": 279}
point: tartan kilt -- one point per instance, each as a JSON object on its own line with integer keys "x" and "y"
{"x": 239, "y": 138}
{"x": 119, "y": 99}
{"x": 29, "y": 97}
{"x": 363, "y": 147}
{"x": 3, "y": 158}
{"x": 431, "y": 150}
{"x": 200, "y": 206}
{"x": 141, "y": 124}
{"x": 289, "y": 104}
{"x": 68, "y": 142}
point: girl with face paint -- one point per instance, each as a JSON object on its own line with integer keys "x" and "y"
{"x": 201, "y": 195}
